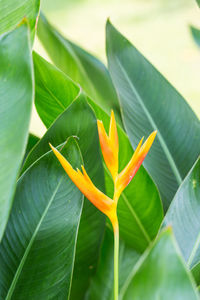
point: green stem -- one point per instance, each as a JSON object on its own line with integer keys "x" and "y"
{"x": 116, "y": 261}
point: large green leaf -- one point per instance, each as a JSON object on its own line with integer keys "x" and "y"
{"x": 139, "y": 215}
{"x": 81, "y": 66}
{"x": 54, "y": 91}
{"x": 12, "y": 12}
{"x": 184, "y": 216}
{"x": 38, "y": 249}
{"x": 79, "y": 121}
{"x": 102, "y": 284}
{"x": 160, "y": 274}
{"x": 150, "y": 103}
{"x": 16, "y": 94}
{"x": 196, "y": 34}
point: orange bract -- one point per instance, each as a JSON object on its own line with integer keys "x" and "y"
{"x": 85, "y": 185}
{"x": 110, "y": 150}
{"x": 132, "y": 167}
{"x": 109, "y": 145}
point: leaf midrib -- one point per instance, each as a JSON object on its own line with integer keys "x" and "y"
{"x": 22, "y": 262}
{"x": 153, "y": 124}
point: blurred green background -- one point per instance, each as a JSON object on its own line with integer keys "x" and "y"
{"x": 158, "y": 28}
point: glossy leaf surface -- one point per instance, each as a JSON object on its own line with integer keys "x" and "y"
{"x": 79, "y": 121}
{"x": 54, "y": 91}
{"x": 38, "y": 249}
{"x": 150, "y": 103}
{"x": 13, "y": 11}
{"x": 16, "y": 94}
{"x": 184, "y": 216}
{"x": 139, "y": 216}
{"x": 81, "y": 66}
{"x": 160, "y": 274}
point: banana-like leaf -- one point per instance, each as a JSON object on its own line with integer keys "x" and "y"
{"x": 150, "y": 103}
{"x": 12, "y": 12}
{"x": 139, "y": 216}
{"x": 102, "y": 284}
{"x": 54, "y": 91}
{"x": 160, "y": 274}
{"x": 16, "y": 95}
{"x": 196, "y": 34}
{"x": 81, "y": 66}
{"x": 79, "y": 121}
{"x": 38, "y": 249}
{"x": 184, "y": 216}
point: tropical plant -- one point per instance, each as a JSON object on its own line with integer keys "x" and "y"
{"x": 55, "y": 244}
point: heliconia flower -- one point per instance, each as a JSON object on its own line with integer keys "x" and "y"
{"x": 109, "y": 145}
{"x": 132, "y": 167}
{"x": 85, "y": 185}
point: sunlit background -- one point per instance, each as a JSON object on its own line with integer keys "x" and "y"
{"x": 158, "y": 28}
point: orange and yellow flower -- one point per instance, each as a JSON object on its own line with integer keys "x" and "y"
{"x": 110, "y": 149}
{"x": 85, "y": 185}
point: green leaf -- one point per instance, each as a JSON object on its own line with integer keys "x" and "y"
{"x": 102, "y": 284}
{"x": 38, "y": 249}
{"x": 54, "y": 91}
{"x": 79, "y": 121}
{"x": 198, "y": 2}
{"x": 12, "y": 12}
{"x": 160, "y": 274}
{"x": 16, "y": 86}
{"x": 150, "y": 103}
{"x": 139, "y": 216}
{"x": 196, "y": 34}
{"x": 81, "y": 66}
{"x": 184, "y": 216}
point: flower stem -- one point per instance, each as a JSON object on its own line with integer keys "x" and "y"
{"x": 116, "y": 261}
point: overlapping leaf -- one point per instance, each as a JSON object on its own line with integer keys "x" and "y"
{"x": 38, "y": 249}
{"x": 184, "y": 216}
{"x": 160, "y": 274}
{"x": 16, "y": 93}
{"x": 12, "y": 12}
{"x": 139, "y": 208}
{"x": 81, "y": 66}
{"x": 150, "y": 103}
{"x": 79, "y": 121}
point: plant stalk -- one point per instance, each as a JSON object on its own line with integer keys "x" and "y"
{"x": 116, "y": 261}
